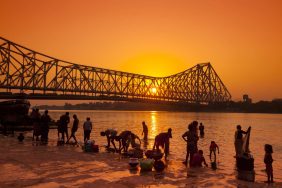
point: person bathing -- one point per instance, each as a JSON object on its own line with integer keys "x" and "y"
{"x": 162, "y": 140}
{"x": 213, "y": 148}
{"x": 111, "y": 136}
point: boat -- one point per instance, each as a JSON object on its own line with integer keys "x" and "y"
{"x": 14, "y": 111}
{"x": 245, "y": 161}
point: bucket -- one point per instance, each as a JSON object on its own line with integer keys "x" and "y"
{"x": 146, "y": 164}
{"x": 133, "y": 162}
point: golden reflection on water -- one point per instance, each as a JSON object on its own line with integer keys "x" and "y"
{"x": 154, "y": 127}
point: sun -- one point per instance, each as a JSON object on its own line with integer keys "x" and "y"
{"x": 154, "y": 90}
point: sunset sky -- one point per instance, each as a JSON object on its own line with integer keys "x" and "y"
{"x": 241, "y": 38}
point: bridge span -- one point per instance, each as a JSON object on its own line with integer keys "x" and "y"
{"x": 25, "y": 73}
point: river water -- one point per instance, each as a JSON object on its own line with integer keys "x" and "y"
{"x": 30, "y": 164}
{"x": 220, "y": 127}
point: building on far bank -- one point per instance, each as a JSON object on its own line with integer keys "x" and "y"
{"x": 246, "y": 99}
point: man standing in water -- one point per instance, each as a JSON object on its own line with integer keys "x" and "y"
{"x": 201, "y": 129}
{"x": 191, "y": 138}
{"x": 145, "y": 131}
{"x": 64, "y": 120}
{"x": 74, "y": 128}
{"x": 87, "y": 127}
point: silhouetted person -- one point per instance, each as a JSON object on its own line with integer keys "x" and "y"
{"x": 35, "y": 117}
{"x": 3, "y": 127}
{"x": 74, "y": 128}
{"x": 45, "y": 120}
{"x": 59, "y": 128}
{"x": 145, "y": 131}
{"x": 111, "y": 135}
{"x": 198, "y": 159}
{"x": 202, "y": 130}
{"x": 162, "y": 140}
{"x": 21, "y": 137}
{"x": 191, "y": 138}
{"x": 239, "y": 140}
{"x": 87, "y": 127}
{"x": 64, "y": 120}
{"x": 213, "y": 148}
{"x": 268, "y": 162}
{"x": 126, "y": 138}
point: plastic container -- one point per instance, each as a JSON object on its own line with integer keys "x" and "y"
{"x": 146, "y": 164}
{"x": 133, "y": 162}
{"x": 159, "y": 166}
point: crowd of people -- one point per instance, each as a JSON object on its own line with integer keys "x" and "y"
{"x": 126, "y": 138}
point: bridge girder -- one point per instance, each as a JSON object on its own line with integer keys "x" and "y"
{"x": 28, "y": 71}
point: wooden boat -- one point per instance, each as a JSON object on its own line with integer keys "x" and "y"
{"x": 14, "y": 116}
{"x": 13, "y": 110}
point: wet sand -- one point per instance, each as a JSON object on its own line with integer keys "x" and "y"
{"x": 30, "y": 165}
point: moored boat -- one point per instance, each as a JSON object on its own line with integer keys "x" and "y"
{"x": 13, "y": 111}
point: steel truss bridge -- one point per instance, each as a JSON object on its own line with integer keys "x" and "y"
{"x": 33, "y": 75}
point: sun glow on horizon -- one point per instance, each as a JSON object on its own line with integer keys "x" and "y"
{"x": 158, "y": 38}
{"x": 154, "y": 90}
{"x": 155, "y": 64}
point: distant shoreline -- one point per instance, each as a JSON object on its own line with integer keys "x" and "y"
{"x": 273, "y": 107}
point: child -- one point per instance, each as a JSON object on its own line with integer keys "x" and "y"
{"x": 268, "y": 162}
{"x": 213, "y": 148}
{"x": 198, "y": 159}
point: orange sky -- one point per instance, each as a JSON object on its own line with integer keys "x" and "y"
{"x": 242, "y": 39}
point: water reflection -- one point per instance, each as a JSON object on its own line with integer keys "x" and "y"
{"x": 154, "y": 127}
{"x": 220, "y": 127}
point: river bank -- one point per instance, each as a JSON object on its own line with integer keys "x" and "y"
{"x": 30, "y": 165}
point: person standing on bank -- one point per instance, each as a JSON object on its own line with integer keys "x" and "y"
{"x": 45, "y": 120}
{"x": 145, "y": 131}
{"x": 74, "y": 128}
{"x": 64, "y": 120}
{"x": 35, "y": 116}
{"x": 87, "y": 127}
